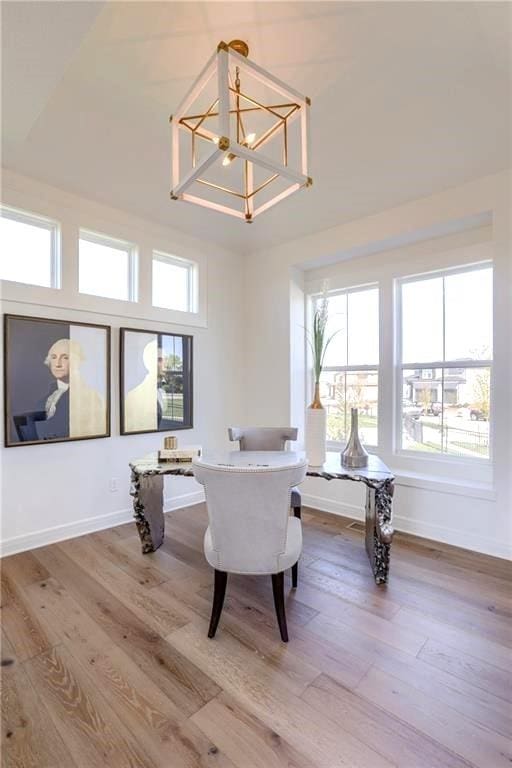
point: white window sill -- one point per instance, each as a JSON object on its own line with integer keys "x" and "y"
{"x": 430, "y": 481}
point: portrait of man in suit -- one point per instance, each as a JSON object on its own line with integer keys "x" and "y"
{"x": 56, "y": 403}
{"x": 60, "y": 393}
{"x": 72, "y": 407}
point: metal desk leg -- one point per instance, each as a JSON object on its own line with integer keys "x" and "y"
{"x": 379, "y": 530}
{"x": 148, "y": 509}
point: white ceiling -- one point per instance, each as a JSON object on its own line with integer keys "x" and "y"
{"x": 408, "y": 98}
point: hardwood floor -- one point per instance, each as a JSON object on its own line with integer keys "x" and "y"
{"x": 106, "y": 660}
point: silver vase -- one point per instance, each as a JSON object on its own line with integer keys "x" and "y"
{"x": 354, "y": 455}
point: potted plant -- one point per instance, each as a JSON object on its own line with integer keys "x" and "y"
{"x": 316, "y": 416}
{"x": 318, "y": 344}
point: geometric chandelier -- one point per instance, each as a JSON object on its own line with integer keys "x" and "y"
{"x": 239, "y": 138}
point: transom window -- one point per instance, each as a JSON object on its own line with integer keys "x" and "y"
{"x": 350, "y": 377}
{"x": 445, "y": 362}
{"x": 29, "y": 248}
{"x": 174, "y": 283}
{"x": 107, "y": 267}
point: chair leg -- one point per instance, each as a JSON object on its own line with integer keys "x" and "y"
{"x": 295, "y": 574}
{"x": 278, "y": 590}
{"x": 221, "y": 579}
{"x": 297, "y": 511}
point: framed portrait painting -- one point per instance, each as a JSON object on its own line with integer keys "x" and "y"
{"x": 156, "y": 381}
{"x": 56, "y": 380}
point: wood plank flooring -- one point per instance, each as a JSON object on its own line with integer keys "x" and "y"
{"x": 106, "y": 662}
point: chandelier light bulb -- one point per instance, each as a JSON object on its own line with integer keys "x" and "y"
{"x": 228, "y": 159}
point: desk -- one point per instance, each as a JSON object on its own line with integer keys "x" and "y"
{"x": 148, "y": 485}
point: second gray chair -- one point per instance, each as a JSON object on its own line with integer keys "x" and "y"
{"x": 267, "y": 439}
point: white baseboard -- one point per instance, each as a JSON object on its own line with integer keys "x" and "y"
{"x": 354, "y": 511}
{"x": 88, "y": 525}
{"x": 424, "y": 530}
{"x": 184, "y": 500}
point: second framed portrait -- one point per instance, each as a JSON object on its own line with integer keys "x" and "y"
{"x": 156, "y": 381}
{"x": 57, "y": 380}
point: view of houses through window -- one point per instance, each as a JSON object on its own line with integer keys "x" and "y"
{"x": 341, "y": 391}
{"x": 443, "y": 357}
{"x": 446, "y": 337}
{"x": 450, "y": 413}
{"x": 350, "y": 378}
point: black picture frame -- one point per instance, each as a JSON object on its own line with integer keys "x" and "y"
{"x": 155, "y": 395}
{"x": 56, "y": 380}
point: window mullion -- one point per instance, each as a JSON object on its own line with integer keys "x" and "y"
{"x": 386, "y": 411}
{"x": 348, "y": 326}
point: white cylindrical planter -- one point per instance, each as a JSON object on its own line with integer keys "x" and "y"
{"x": 316, "y": 421}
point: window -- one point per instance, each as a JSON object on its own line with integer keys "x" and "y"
{"x": 107, "y": 267}
{"x": 174, "y": 282}
{"x": 446, "y": 362}
{"x": 350, "y": 377}
{"x": 29, "y": 249}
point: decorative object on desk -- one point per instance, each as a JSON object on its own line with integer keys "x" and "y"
{"x": 57, "y": 380}
{"x": 178, "y": 455}
{"x": 316, "y": 415}
{"x": 156, "y": 381}
{"x": 354, "y": 455}
{"x": 170, "y": 443}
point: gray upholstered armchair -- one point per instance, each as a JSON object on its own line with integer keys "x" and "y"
{"x": 267, "y": 439}
{"x": 250, "y": 529}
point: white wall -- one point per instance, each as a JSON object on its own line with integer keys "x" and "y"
{"x": 446, "y": 504}
{"x": 53, "y": 491}
{"x": 249, "y": 364}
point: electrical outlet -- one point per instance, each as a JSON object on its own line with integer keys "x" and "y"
{"x": 114, "y": 484}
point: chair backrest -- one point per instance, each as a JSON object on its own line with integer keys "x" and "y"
{"x": 262, "y": 438}
{"x": 248, "y": 513}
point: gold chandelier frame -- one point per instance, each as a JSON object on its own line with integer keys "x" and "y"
{"x": 241, "y": 146}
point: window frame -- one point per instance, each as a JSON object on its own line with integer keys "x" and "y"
{"x": 132, "y": 251}
{"x": 192, "y": 279}
{"x": 316, "y": 296}
{"x": 43, "y": 222}
{"x": 400, "y": 366}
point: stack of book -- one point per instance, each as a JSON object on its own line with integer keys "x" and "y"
{"x": 179, "y": 455}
